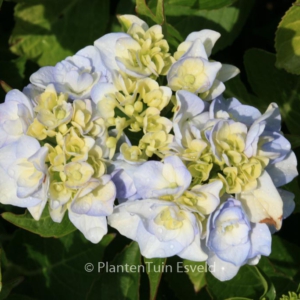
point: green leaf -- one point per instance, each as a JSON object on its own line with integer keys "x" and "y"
{"x": 154, "y": 269}
{"x": 45, "y": 227}
{"x": 143, "y": 9}
{"x": 227, "y": 20}
{"x": 8, "y": 286}
{"x": 180, "y": 283}
{"x": 247, "y": 284}
{"x": 270, "y": 292}
{"x": 196, "y": 273}
{"x": 122, "y": 277}
{"x": 50, "y": 30}
{"x": 56, "y": 268}
{"x": 282, "y": 266}
{"x": 12, "y": 74}
{"x": 287, "y": 40}
{"x": 192, "y": 5}
{"x": 212, "y": 4}
{"x": 273, "y": 85}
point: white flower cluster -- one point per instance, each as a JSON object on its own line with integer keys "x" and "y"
{"x": 192, "y": 178}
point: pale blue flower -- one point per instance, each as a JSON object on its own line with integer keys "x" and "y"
{"x": 160, "y": 228}
{"x": 233, "y": 240}
{"x": 24, "y": 175}
{"x": 76, "y": 75}
{"x": 16, "y": 114}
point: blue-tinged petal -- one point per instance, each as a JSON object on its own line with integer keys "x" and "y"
{"x": 274, "y": 146}
{"x": 43, "y": 77}
{"x": 261, "y": 240}
{"x": 20, "y": 98}
{"x": 284, "y": 171}
{"x": 272, "y": 118}
{"x": 93, "y": 54}
{"x": 221, "y": 269}
{"x": 252, "y": 138}
{"x": 288, "y": 202}
{"x": 148, "y": 179}
{"x": 124, "y": 185}
{"x": 237, "y": 255}
{"x": 222, "y": 105}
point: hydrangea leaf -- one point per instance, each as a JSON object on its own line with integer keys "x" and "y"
{"x": 273, "y": 85}
{"x": 143, "y": 9}
{"x": 8, "y": 286}
{"x": 227, "y": 20}
{"x": 247, "y": 283}
{"x": 45, "y": 227}
{"x": 48, "y": 31}
{"x": 180, "y": 283}
{"x": 196, "y": 273}
{"x": 189, "y": 6}
{"x": 113, "y": 284}
{"x": 11, "y": 74}
{"x": 56, "y": 268}
{"x": 154, "y": 268}
{"x": 287, "y": 40}
{"x": 213, "y": 4}
{"x": 282, "y": 266}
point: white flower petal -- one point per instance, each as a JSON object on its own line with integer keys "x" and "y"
{"x": 227, "y": 72}
{"x": 196, "y": 50}
{"x": 264, "y": 204}
{"x": 43, "y": 77}
{"x": 194, "y": 251}
{"x": 93, "y": 228}
{"x": 221, "y": 269}
{"x": 107, "y": 47}
{"x": 208, "y": 38}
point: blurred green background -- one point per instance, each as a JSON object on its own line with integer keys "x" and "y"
{"x": 35, "y": 33}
